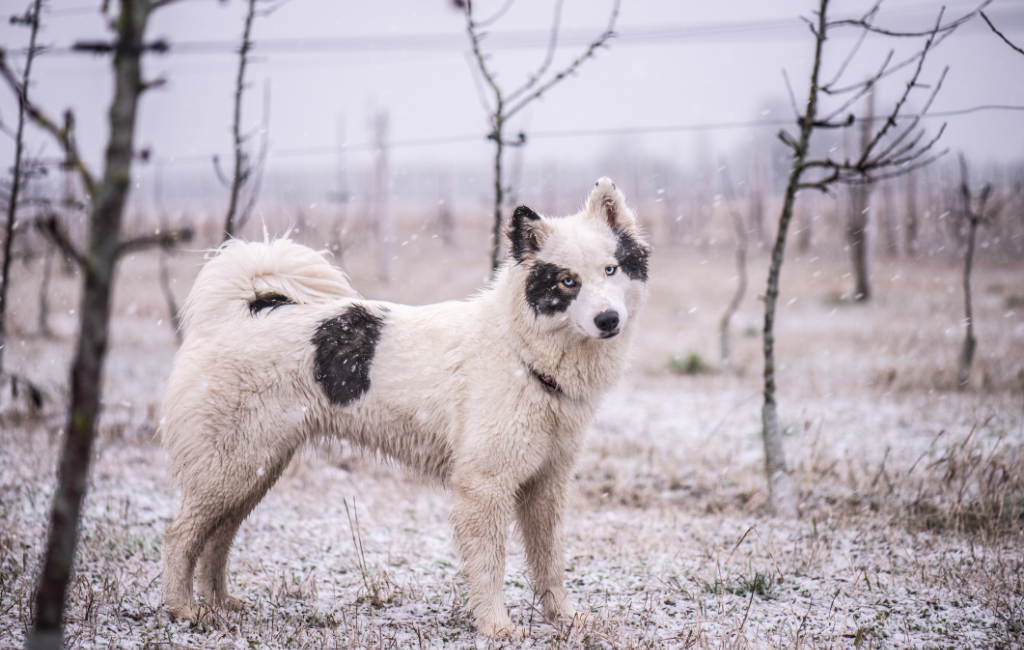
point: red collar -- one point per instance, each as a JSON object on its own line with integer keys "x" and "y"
{"x": 550, "y": 385}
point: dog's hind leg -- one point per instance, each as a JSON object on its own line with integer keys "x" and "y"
{"x": 183, "y": 542}
{"x": 213, "y": 563}
{"x": 210, "y": 515}
{"x": 212, "y": 568}
{"x": 539, "y": 517}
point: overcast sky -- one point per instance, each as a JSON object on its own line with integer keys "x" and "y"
{"x": 327, "y": 62}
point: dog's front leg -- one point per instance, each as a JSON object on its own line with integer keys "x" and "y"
{"x": 482, "y": 509}
{"x": 539, "y": 514}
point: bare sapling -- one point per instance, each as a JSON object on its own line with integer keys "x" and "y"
{"x": 382, "y": 226}
{"x": 973, "y": 217}
{"x": 31, "y": 19}
{"x": 740, "y": 231}
{"x": 165, "y": 273}
{"x": 507, "y": 104}
{"x": 890, "y": 151}
{"x": 244, "y": 170}
{"x": 97, "y": 264}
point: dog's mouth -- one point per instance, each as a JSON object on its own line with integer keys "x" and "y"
{"x": 609, "y": 335}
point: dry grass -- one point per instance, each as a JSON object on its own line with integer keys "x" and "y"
{"x": 910, "y": 532}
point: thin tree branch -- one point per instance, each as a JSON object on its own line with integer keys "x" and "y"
{"x": 497, "y": 114}
{"x": 64, "y": 136}
{"x": 608, "y": 33}
{"x": 999, "y": 33}
{"x": 892, "y": 70}
{"x": 497, "y": 14}
{"x": 850, "y": 55}
{"x": 548, "y": 58}
{"x": 164, "y": 239}
{"x": 789, "y": 92}
{"x": 862, "y": 89}
{"x": 864, "y": 22}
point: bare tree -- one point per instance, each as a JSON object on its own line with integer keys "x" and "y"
{"x": 30, "y": 18}
{"x": 891, "y": 150}
{"x": 507, "y": 105}
{"x": 974, "y": 218}
{"x": 244, "y": 170}
{"x": 740, "y": 230}
{"x": 97, "y": 264}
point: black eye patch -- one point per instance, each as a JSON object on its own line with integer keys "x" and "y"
{"x": 632, "y": 257}
{"x": 546, "y": 289}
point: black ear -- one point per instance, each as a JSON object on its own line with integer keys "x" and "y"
{"x": 524, "y": 234}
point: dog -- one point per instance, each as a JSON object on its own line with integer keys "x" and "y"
{"x": 490, "y": 396}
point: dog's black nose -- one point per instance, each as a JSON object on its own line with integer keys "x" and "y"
{"x": 607, "y": 321}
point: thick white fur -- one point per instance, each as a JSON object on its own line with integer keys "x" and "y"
{"x": 453, "y": 393}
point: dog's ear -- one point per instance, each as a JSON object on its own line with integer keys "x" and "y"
{"x": 526, "y": 233}
{"x": 608, "y": 204}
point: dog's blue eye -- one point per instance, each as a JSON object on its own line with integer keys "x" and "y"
{"x": 610, "y": 270}
{"x": 569, "y": 282}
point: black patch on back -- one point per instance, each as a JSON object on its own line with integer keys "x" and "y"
{"x": 632, "y": 257}
{"x": 522, "y": 235}
{"x": 545, "y": 291}
{"x": 345, "y": 346}
{"x": 271, "y": 300}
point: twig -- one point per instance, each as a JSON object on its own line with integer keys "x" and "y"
{"x": 64, "y": 136}
{"x": 998, "y": 33}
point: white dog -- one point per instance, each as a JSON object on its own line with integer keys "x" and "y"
{"x": 490, "y": 395}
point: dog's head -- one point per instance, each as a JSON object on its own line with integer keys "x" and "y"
{"x": 588, "y": 270}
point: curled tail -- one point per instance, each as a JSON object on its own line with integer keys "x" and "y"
{"x": 245, "y": 277}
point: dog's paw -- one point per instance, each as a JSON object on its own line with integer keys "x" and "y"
{"x": 558, "y": 609}
{"x": 502, "y": 631}
{"x": 190, "y": 612}
{"x": 232, "y": 604}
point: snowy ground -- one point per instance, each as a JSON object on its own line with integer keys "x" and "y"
{"x": 910, "y": 529}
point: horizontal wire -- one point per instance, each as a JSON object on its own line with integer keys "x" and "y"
{"x": 573, "y": 133}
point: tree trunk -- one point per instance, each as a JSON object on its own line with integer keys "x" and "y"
{"x": 381, "y": 192}
{"x": 782, "y": 497}
{"x": 44, "y": 293}
{"x": 856, "y": 239}
{"x": 857, "y": 226}
{"x": 803, "y": 242}
{"x": 740, "y": 230}
{"x": 911, "y": 241}
{"x": 757, "y": 204}
{"x": 86, "y": 373}
{"x": 963, "y": 375}
{"x": 887, "y": 220}
{"x": 499, "y": 193}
